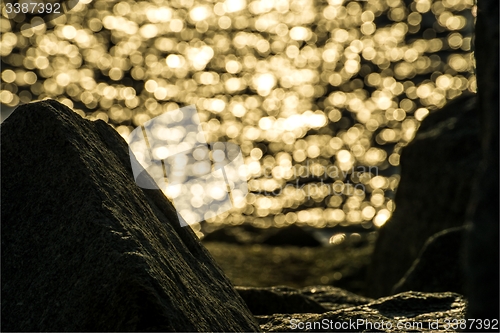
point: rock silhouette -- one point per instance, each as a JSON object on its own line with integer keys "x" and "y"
{"x": 437, "y": 169}
{"x": 85, "y": 249}
{"x": 292, "y": 235}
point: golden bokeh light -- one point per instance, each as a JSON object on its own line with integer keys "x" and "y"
{"x": 320, "y": 96}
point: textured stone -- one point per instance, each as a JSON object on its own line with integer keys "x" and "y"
{"x": 412, "y": 311}
{"x": 284, "y": 313}
{"x": 264, "y": 302}
{"x": 437, "y": 168}
{"x": 85, "y": 249}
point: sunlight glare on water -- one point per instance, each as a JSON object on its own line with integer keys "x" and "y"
{"x": 320, "y": 96}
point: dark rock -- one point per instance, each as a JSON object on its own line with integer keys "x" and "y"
{"x": 482, "y": 240}
{"x": 85, "y": 249}
{"x": 292, "y": 235}
{"x": 438, "y": 267}
{"x": 405, "y": 312}
{"x": 241, "y": 234}
{"x": 436, "y": 172}
{"x": 326, "y": 308}
{"x": 224, "y": 235}
{"x": 266, "y": 301}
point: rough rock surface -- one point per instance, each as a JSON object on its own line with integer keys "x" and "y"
{"x": 312, "y": 299}
{"x": 437, "y": 168}
{"x": 85, "y": 249}
{"x": 330, "y": 309}
{"x": 405, "y": 312}
{"x": 439, "y": 265}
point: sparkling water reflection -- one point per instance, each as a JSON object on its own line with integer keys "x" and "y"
{"x": 299, "y": 85}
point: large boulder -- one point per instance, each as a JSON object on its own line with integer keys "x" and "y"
{"x": 85, "y": 249}
{"x": 437, "y": 168}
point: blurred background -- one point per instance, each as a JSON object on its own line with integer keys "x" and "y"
{"x": 321, "y": 96}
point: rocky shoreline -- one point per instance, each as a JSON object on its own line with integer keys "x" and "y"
{"x": 85, "y": 249}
